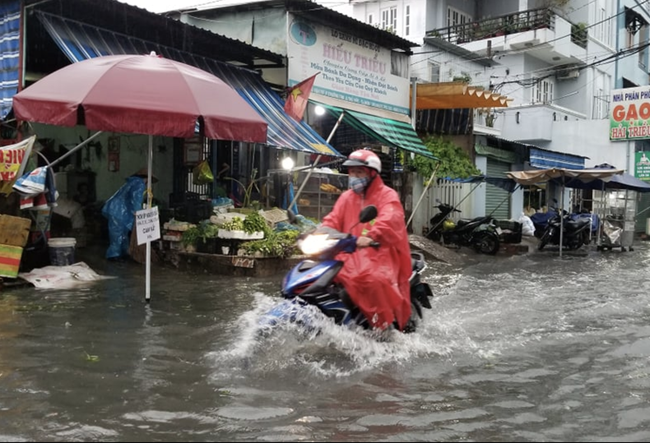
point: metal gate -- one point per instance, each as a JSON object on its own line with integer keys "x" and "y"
{"x": 497, "y": 200}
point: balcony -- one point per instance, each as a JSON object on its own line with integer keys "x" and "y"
{"x": 540, "y": 30}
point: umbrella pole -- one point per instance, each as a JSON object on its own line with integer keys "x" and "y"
{"x": 426, "y": 188}
{"x": 147, "y": 294}
{"x": 311, "y": 170}
{"x": 561, "y": 211}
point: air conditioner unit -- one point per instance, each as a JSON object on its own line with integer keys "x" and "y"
{"x": 568, "y": 75}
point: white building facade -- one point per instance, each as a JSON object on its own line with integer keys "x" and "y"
{"x": 558, "y": 60}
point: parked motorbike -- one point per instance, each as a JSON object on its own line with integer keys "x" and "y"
{"x": 311, "y": 283}
{"x": 480, "y": 233}
{"x": 574, "y": 235}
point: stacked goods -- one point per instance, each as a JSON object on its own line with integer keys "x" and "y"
{"x": 326, "y": 187}
{"x": 14, "y": 232}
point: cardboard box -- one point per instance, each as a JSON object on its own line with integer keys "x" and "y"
{"x": 14, "y": 231}
{"x": 10, "y": 260}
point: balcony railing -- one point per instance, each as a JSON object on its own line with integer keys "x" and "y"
{"x": 503, "y": 25}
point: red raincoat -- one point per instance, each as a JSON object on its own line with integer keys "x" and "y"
{"x": 376, "y": 279}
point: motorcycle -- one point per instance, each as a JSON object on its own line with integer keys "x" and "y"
{"x": 480, "y": 233}
{"x": 576, "y": 230}
{"x": 311, "y": 283}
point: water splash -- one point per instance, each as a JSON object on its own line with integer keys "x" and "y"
{"x": 327, "y": 350}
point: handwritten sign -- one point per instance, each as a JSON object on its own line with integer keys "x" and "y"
{"x": 147, "y": 225}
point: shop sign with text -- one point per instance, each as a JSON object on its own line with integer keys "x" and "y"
{"x": 350, "y": 68}
{"x": 642, "y": 165}
{"x": 630, "y": 114}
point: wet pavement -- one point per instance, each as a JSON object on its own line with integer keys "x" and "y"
{"x": 526, "y": 347}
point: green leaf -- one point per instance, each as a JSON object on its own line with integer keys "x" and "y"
{"x": 454, "y": 162}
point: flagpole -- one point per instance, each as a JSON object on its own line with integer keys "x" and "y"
{"x": 302, "y": 186}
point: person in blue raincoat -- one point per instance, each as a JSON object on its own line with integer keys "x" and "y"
{"x": 120, "y": 211}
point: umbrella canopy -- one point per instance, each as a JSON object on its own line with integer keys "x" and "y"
{"x": 561, "y": 174}
{"x": 622, "y": 181}
{"x": 140, "y": 94}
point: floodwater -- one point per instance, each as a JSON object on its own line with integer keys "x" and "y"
{"x": 524, "y": 348}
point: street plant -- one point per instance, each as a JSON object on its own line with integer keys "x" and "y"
{"x": 454, "y": 162}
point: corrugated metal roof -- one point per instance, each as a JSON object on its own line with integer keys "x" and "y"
{"x": 80, "y": 41}
{"x": 316, "y": 13}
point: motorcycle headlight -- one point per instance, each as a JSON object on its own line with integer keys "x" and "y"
{"x": 315, "y": 244}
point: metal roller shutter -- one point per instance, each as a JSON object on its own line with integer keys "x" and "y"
{"x": 495, "y": 196}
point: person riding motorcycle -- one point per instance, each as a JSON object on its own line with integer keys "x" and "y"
{"x": 377, "y": 279}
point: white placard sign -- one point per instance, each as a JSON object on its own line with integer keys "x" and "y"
{"x": 147, "y": 225}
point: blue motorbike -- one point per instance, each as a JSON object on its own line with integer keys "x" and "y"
{"x": 311, "y": 283}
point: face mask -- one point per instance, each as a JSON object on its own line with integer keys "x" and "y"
{"x": 358, "y": 184}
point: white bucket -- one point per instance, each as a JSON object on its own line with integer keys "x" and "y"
{"x": 62, "y": 250}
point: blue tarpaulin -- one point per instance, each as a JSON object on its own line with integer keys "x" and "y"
{"x": 620, "y": 181}
{"x": 9, "y": 54}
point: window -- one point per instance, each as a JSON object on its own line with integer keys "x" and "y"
{"x": 371, "y": 19}
{"x": 407, "y": 20}
{"x": 643, "y": 52}
{"x": 389, "y": 20}
{"x": 434, "y": 72}
{"x": 543, "y": 92}
{"x": 456, "y": 17}
{"x": 602, "y": 28}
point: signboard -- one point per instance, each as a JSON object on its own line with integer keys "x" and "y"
{"x": 642, "y": 165}
{"x": 351, "y": 68}
{"x": 630, "y": 114}
{"x": 147, "y": 225}
{"x": 12, "y": 162}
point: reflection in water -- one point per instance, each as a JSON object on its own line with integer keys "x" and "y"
{"x": 524, "y": 348}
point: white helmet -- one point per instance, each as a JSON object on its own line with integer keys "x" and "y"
{"x": 364, "y": 157}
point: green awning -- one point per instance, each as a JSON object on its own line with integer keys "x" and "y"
{"x": 496, "y": 153}
{"x": 390, "y": 132}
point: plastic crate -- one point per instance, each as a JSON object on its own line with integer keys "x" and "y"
{"x": 511, "y": 231}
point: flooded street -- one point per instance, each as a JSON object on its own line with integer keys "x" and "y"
{"x": 523, "y": 348}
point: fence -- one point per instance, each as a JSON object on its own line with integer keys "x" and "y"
{"x": 449, "y": 192}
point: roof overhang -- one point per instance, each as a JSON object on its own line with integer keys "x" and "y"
{"x": 314, "y": 12}
{"x": 130, "y": 20}
{"x": 457, "y": 95}
{"x": 459, "y": 51}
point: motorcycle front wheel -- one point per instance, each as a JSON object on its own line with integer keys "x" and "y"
{"x": 543, "y": 241}
{"x": 487, "y": 243}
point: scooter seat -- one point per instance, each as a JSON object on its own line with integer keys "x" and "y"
{"x": 574, "y": 225}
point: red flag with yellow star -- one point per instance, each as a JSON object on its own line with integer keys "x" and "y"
{"x": 297, "y": 98}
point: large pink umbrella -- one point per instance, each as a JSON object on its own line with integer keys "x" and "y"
{"x": 141, "y": 94}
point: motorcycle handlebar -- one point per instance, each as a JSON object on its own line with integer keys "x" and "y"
{"x": 375, "y": 244}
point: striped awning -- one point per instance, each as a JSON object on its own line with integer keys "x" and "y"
{"x": 9, "y": 54}
{"x": 393, "y": 133}
{"x": 79, "y": 41}
{"x": 455, "y": 95}
{"x": 543, "y": 159}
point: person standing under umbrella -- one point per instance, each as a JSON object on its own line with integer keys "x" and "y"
{"x": 120, "y": 211}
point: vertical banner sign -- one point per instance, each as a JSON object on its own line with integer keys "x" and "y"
{"x": 147, "y": 224}
{"x": 642, "y": 165}
{"x": 630, "y": 114}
